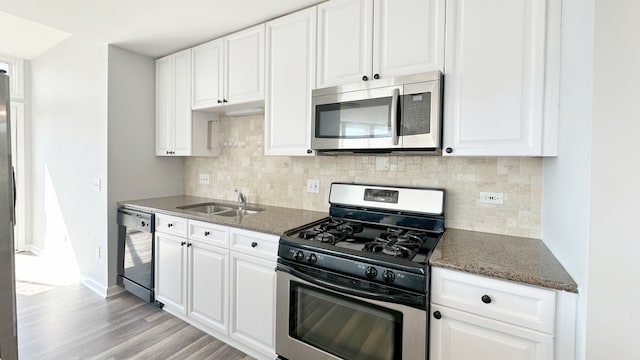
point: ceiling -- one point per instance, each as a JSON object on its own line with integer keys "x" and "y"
{"x": 149, "y": 27}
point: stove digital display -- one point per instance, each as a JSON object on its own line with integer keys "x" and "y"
{"x": 383, "y": 196}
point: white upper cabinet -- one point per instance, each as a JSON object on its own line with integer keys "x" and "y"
{"x": 164, "y": 105}
{"x": 182, "y": 109}
{"x": 173, "y": 105}
{"x": 179, "y": 131}
{"x": 502, "y": 79}
{"x": 244, "y": 65}
{"x": 363, "y": 40}
{"x": 344, "y": 41}
{"x": 290, "y": 76}
{"x": 229, "y": 70}
{"x": 408, "y": 36}
{"x": 208, "y": 73}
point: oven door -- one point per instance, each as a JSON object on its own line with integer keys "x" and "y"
{"x": 315, "y": 320}
{"x": 362, "y": 119}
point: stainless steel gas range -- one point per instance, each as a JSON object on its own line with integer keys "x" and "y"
{"x": 355, "y": 285}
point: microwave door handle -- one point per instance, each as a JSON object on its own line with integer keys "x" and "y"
{"x": 394, "y": 116}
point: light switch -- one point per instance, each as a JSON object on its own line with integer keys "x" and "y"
{"x": 96, "y": 184}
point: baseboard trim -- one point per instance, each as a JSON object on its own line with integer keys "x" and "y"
{"x": 93, "y": 285}
{"x": 36, "y": 250}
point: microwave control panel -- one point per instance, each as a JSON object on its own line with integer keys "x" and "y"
{"x": 416, "y": 109}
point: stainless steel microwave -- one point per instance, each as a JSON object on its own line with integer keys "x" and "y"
{"x": 402, "y": 114}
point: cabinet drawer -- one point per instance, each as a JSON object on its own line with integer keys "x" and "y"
{"x": 209, "y": 233}
{"x": 254, "y": 243}
{"x": 171, "y": 225}
{"x": 517, "y": 304}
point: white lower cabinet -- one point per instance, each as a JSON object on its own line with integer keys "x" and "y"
{"x": 219, "y": 279}
{"x": 459, "y": 335}
{"x": 191, "y": 277}
{"x": 170, "y": 274}
{"x": 476, "y": 317}
{"x": 209, "y": 285}
{"x": 253, "y": 301}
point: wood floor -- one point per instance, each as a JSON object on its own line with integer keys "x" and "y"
{"x": 72, "y": 322}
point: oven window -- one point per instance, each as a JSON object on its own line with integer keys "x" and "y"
{"x": 354, "y": 120}
{"x": 342, "y": 326}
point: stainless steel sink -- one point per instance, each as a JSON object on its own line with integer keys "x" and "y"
{"x": 208, "y": 208}
{"x": 220, "y": 209}
{"x": 238, "y": 212}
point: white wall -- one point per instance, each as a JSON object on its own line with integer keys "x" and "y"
{"x": 614, "y": 250}
{"x": 567, "y": 178}
{"x": 134, "y": 171}
{"x": 69, "y": 150}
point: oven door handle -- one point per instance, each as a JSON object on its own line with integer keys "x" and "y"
{"x": 344, "y": 289}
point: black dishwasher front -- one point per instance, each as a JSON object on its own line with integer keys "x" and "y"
{"x": 136, "y": 252}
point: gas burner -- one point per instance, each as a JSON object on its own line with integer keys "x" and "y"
{"x": 326, "y": 237}
{"x": 397, "y": 243}
{"x": 332, "y": 231}
{"x": 309, "y": 234}
{"x": 335, "y": 227}
{"x": 331, "y": 225}
{"x": 396, "y": 231}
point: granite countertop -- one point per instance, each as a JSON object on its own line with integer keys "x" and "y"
{"x": 513, "y": 258}
{"x": 273, "y": 220}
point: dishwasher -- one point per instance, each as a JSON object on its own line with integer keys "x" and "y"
{"x": 136, "y": 252}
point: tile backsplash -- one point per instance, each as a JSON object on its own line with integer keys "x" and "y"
{"x": 282, "y": 180}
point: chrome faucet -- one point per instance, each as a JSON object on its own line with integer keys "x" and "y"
{"x": 242, "y": 200}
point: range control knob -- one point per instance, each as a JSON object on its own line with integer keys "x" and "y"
{"x": 371, "y": 272}
{"x": 299, "y": 256}
{"x": 388, "y": 276}
{"x": 312, "y": 259}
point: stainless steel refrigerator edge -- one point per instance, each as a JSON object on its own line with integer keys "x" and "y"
{"x": 8, "y": 329}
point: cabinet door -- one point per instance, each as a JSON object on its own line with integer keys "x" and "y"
{"x": 182, "y": 98}
{"x": 244, "y": 65}
{"x": 164, "y": 105}
{"x": 209, "y": 285}
{"x": 291, "y": 59}
{"x": 495, "y": 77}
{"x": 207, "y": 74}
{"x": 458, "y": 335}
{"x": 408, "y": 37}
{"x": 253, "y": 283}
{"x": 170, "y": 271}
{"x": 344, "y": 41}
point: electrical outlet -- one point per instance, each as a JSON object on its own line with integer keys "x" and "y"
{"x": 313, "y": 186}
{"x": 492, "y": 198}
{"x": 204, "y": 179}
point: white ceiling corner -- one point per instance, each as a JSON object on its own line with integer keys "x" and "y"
{"x": 149, "y": 27}
{"x": 25, "y": 39}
